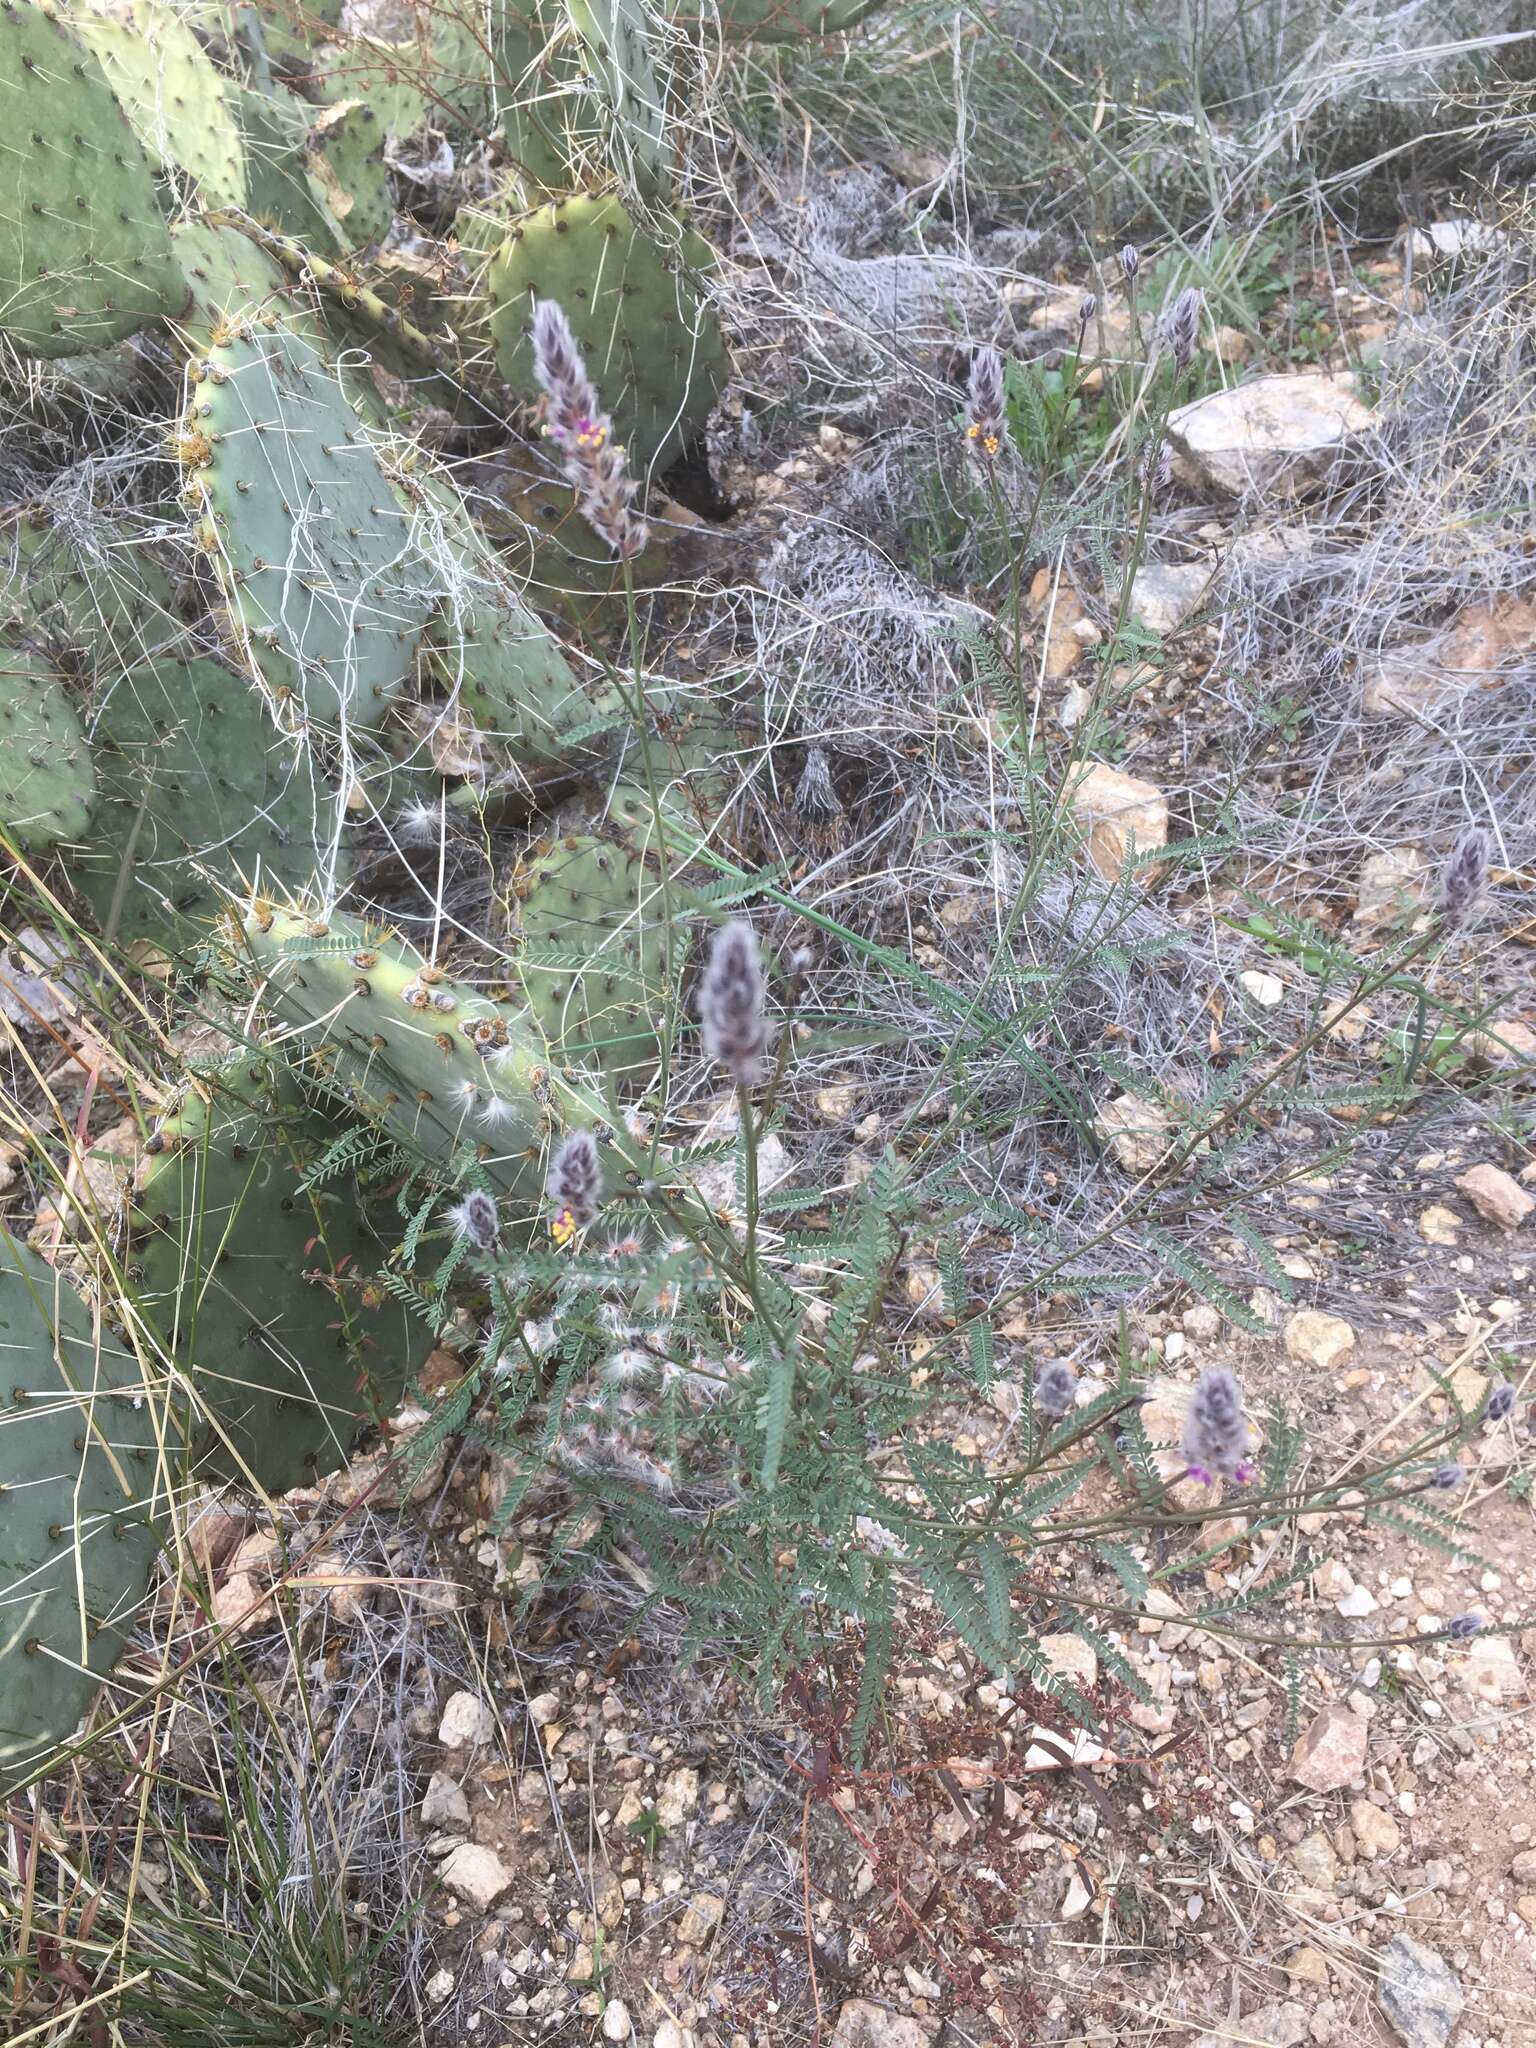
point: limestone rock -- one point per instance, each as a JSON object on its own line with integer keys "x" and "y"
{"x": 1138, "y": 1132}
{"x": 1072, "y": 1659}
{"x": 1268, "y": 433}
{"x": 1496, "y": 1196}
{"x": 1282, "y": 2025}
{"x": 1476, "y": 651}
{"x": 702, "y": 1916}
{"x": 1164, "y": 594}
{"x": 1314, "y": 1338}
{"x": 477, "y": 1875}
{"x": 617, "y": 2025}
{"x": 1456, "y": 238}
{"x": 1439, "y": 1225}
{"x": 1420, "y": 1993}
{"x": 444, "y": 1805}
{"x": 1391, "y": 888}
{"x": 863, "y": 2024}
{"x": 1377, "y": 1833}
{"x": 1331, "y": 1751}
{"x": 678, "y": 1798}
{"x": 1120, "y": 813}
{"x": 467, "y": 1722}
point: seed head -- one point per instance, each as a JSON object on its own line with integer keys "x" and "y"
{"x": 986, "y": 427}
{"x": 418, "y": 823}
{"x": 731, "y": 1004}
{"x": 1462, "y": 1627}
{"x": 1181, "y": 326}
{"x": 1464, "y": 877}
{"x": 1446, "y": 1478}
{"x": 574, "y": 1186}
{"x": 1501, "y": 1400}
{"x": 1056, "y": 1388}
{"x": 475, "y": 1217}
{"x": 1087, "y": 312}
{"x": 816, "y": 802}
{"x": 1217, "y": 1434}
{"x": 1130, "y": 261}
{"x": 583, "y": 433}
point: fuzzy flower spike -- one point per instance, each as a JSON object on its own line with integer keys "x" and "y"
{"x": 732, "y": 1000}
{"x": 986, "y": 427}
{"x": 1216, "y": 1434}
{"x": 574, "y": 1186}
{"x": 582, "y": 431}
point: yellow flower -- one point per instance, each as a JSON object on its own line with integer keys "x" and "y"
{"x": 562, "y": 1227}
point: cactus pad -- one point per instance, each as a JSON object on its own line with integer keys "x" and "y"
{"x": 347, "y": 160}
{"x": 93, "y": 610}
{"x": 450, "y": 1071}
{"x": 652, "y": 347}
{"x": 308, "y": 536}
{"x": 232, "y": 282}
{"x": 200, "y": 796}
{"x": 593, "y": 960}
{"x": 176, "y": 102}
{"x": 617, "y": 38}
{"x": 47, "y": 780}
{"x": 497, "y": 666}
{"x": 282, "y": 191}
{"x": 258, "y": 1287}
{"x": 78, "y": 1481}
{"x": 85, "y": 256}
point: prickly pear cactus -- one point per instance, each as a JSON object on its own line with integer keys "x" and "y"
{"x": 80, "y": 1481}
{"x": 283, "y": 192}
{"x": 347, "y": 159}
{"x": 307, "y": 535}
{"x": 391, "y": 77}
{"x": 92, "y": 609}
{"x": 47, "y": 777}
{"x": 617, "y": 38}
{"x": 494, "y": 663}
{"x": 232, "y": 282}
{"x": 85, "y": 256}
{"x": 199, "y": 797}
{"x": 593, "y": 959}
{"x": 178, "y": 105}
{"x": 259, "y": 1286}
{"x": 552, "y": 553}
{"x": 451, "y": 1072}
{"x": 653, "y": 347}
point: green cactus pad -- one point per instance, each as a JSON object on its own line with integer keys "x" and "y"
{"x": 389, "y": 76}
{"x": 47, "y": 778}
{"x": 259, "y": 1287}
{"x": 283, "y": 193}
{"x": 232, "y": 282}
{"x": 497, "y": 666}
{"x": 200, "y": 797}
{"x": 179, "y": 106}
{"x": 310, "y": 541}
{"x": 652, "y": 347}
{"x": 79, "y": 1480}
{"x": 85, "y": 256}
{"x": 593, "y": 960}
{"x": 776, "y": 21}
{"x": 617, "y": 38}
{"x": 553, "y": 555}
{"x": 450, "y": 1071}
{"x": 93, "y": 609}
{"x": 347, "y": 159}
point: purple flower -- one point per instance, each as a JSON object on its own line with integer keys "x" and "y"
{"x": 986, "y": 427}
{"x": 1501, "y": 1399}
{"x": 574, "y": 1186}
{"x": 1216, "y": 1432}
{"x": 1055, "y": 1388}
{"x": 1464, "y": 877}
{"x": 1181, "y": 326}
{"x": 475, "y": 1217}
{"x": 583, "y": 432}
{"x": 731, "y": 1004}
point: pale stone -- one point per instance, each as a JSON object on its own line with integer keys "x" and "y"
{"x": 1391, "y": 889}
{"x": 1138, "y": 1132}
{"x": 1496, "y": 1196}
{"x": 477, "y": 1875}
{"x": 1156, "y": 1718}
{"x": 1077, "y": 1898}
{"x": 1315, "y": 1863}
{"x": 1331, "y": 1751}
{"x": 444, "y": 1805}
{"x": 1282, "y": 2025}
{"x": 1267, "y": 990}
{"x": 702, "y": 1916}
{"x": 1357, "y": 1603}
{"x": 439, "y": 1986}
{"x": 467, "y": 1722}
{"x": 1163, "y": 594}
{"x": 1492, "y": 1670}
{"x": 617, "y": 2025}
{"x": 238, "y": 1603}
{"x": 1318, "y": 1339}
{"x": 1376, "y": 1832}
{"x": 678, "y": 1798}
{"x": 1478, "y": 650}
{"x": 1456, "y": 238}
{"x": 1439, "y": 1225}
{"x": 543, "y": 1707}
{"x": 863, "y": 2024}
{"x": 1121, "y": 815}
{"x": 1072, "y": 1659}
{"x": 1307, "y": 1966}
{"x": 1270, "y": 432}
